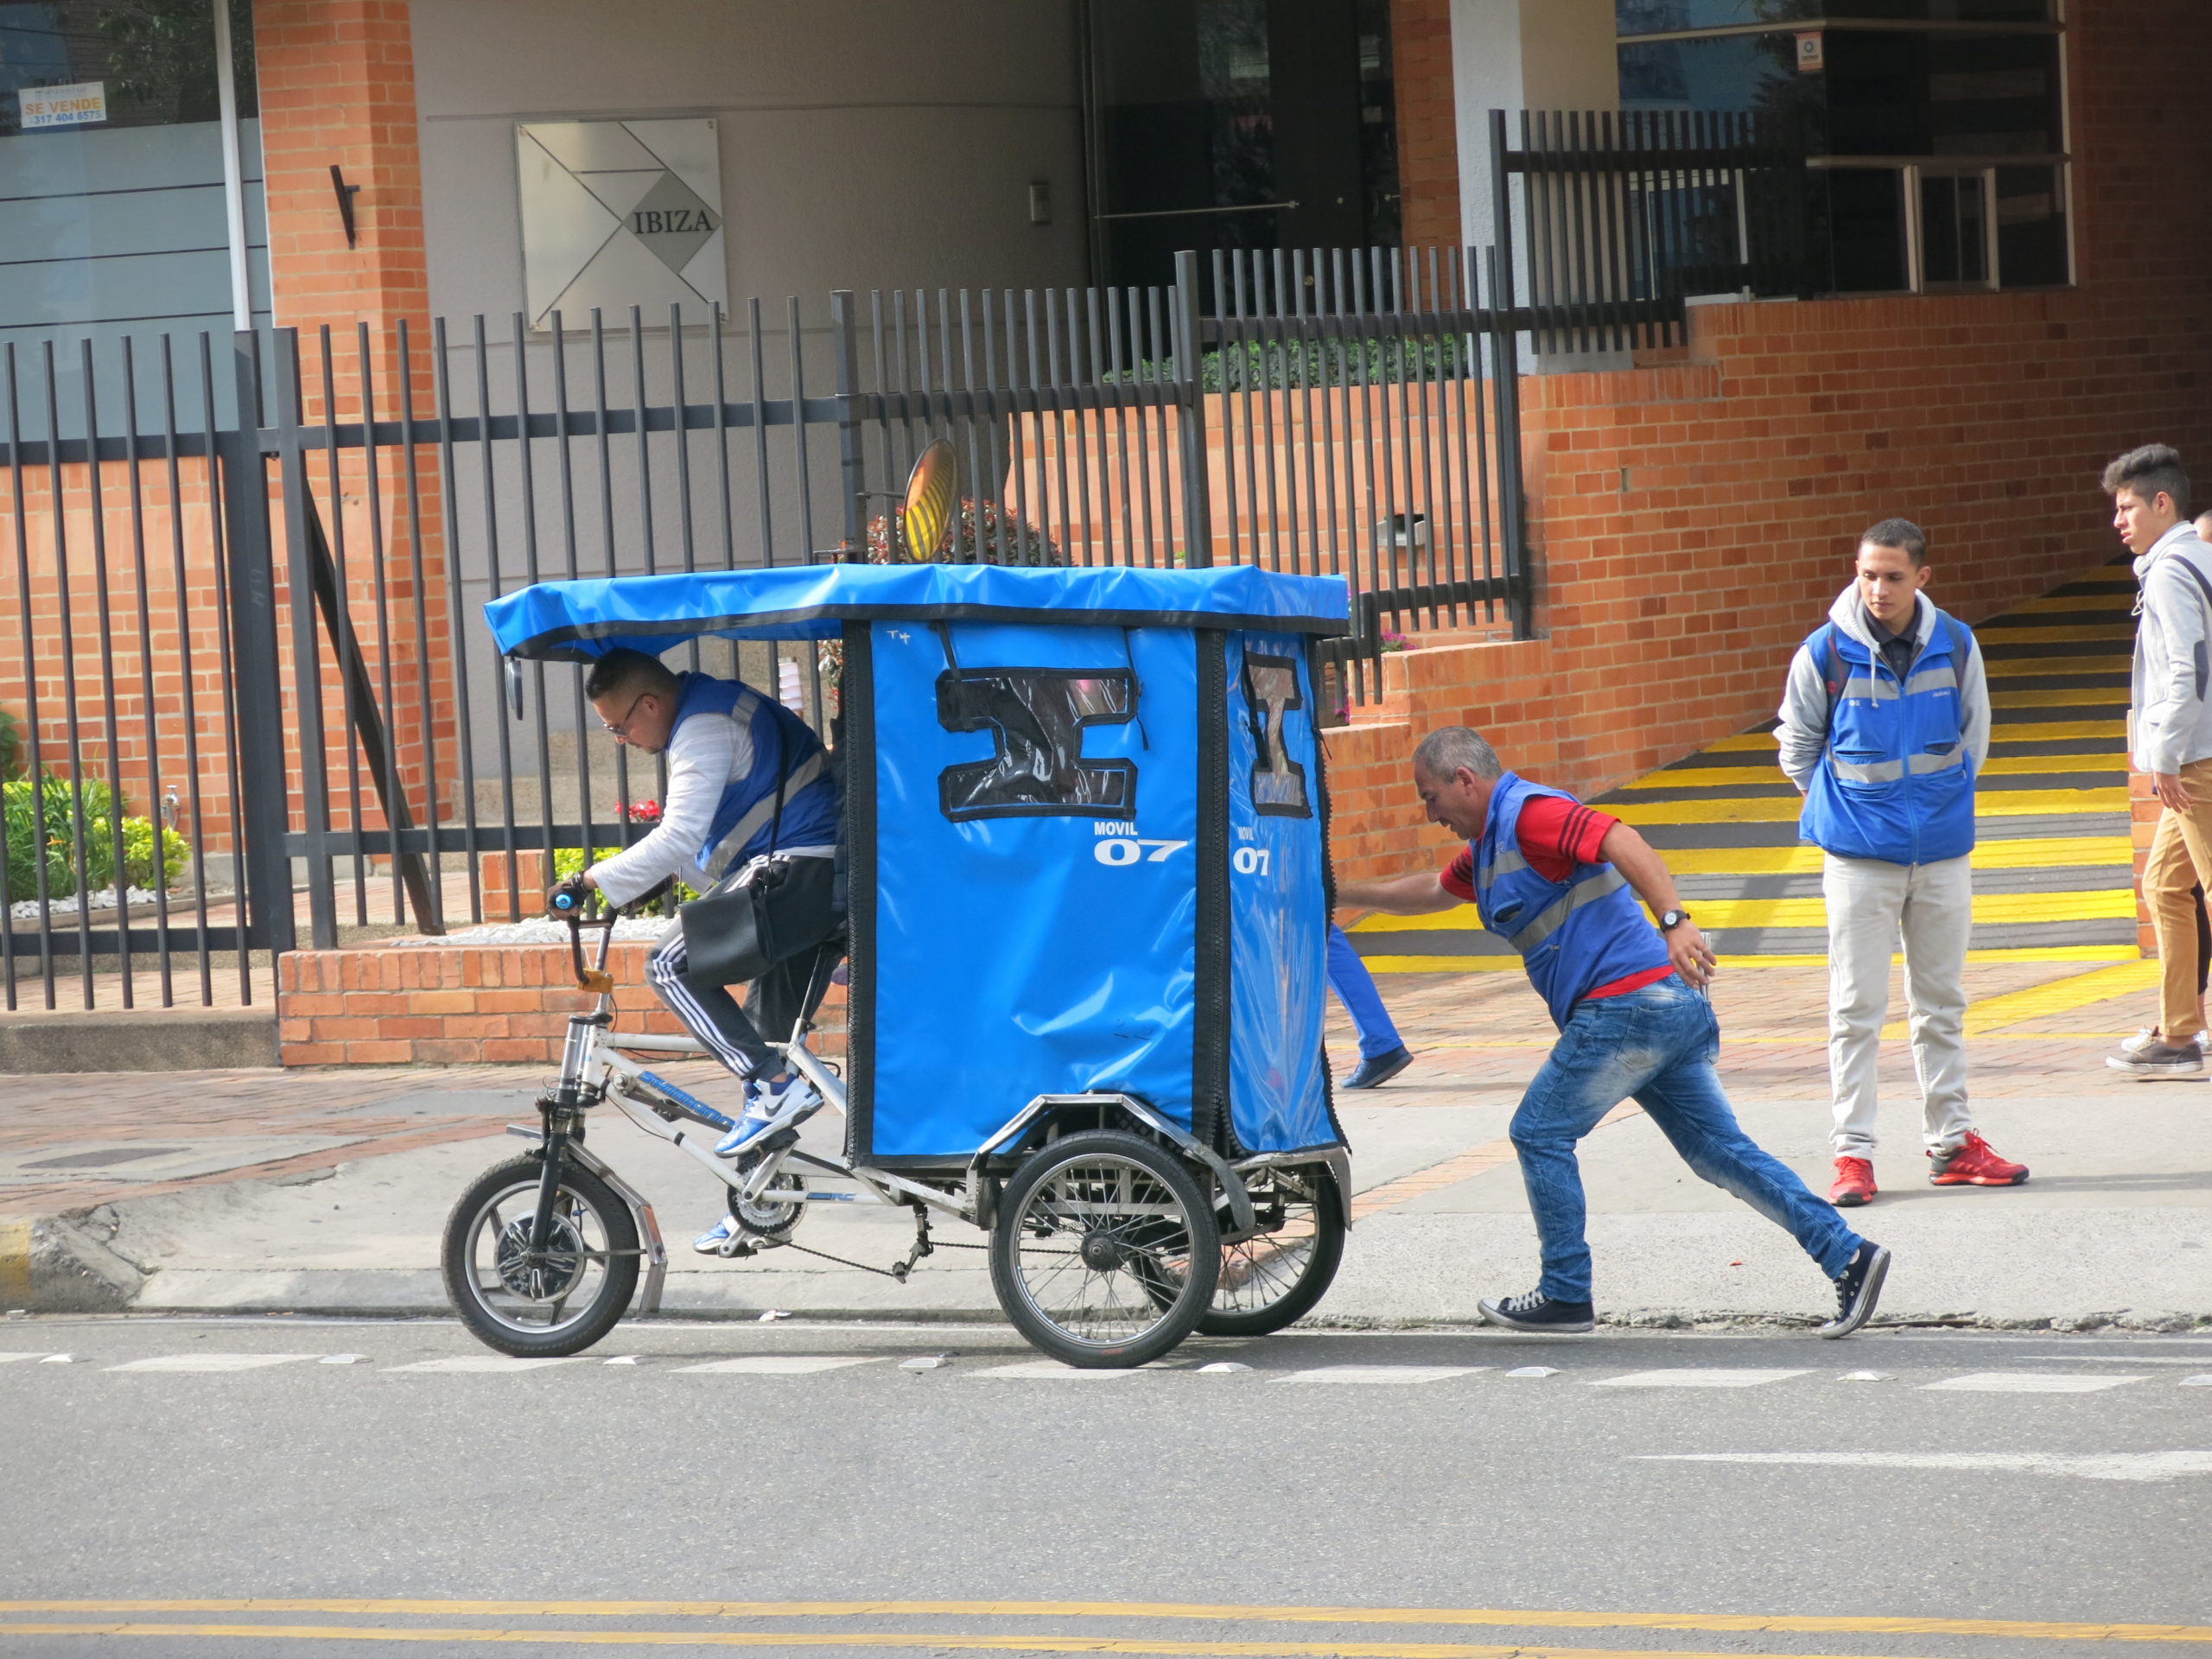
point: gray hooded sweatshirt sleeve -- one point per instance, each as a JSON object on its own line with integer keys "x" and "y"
{"x": 1802, "y": 734}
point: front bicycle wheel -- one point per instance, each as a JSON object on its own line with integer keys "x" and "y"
{"x": 1278, "y": 1274}
{"x": 1105, "y": 1251}
{"x": 557, "y": 1300}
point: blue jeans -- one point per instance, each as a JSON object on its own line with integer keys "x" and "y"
{"x": 1355, "y": 988}
{"x": 1656, "y": 1046}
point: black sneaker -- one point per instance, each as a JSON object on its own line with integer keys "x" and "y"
{"x": 1858, "y": 1287}
{"x": 1373, "y": 1074}
{"x": 1537, "y": 1311}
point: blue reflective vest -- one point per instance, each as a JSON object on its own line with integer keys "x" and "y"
{"x": 745, "y": 823}
{"x": 1894, "y": 781}
{"x": 1572, "y": 935}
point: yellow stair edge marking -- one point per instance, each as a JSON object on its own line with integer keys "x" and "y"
{"x": 2060, "y": 636}
{"x": 2014, "y": 668}
{"x": 1784, "y": 808}
{"x": 2096, "y": 905}
{"x": 2024, "y": 853}
{"x": 2088, "y": 696}
{"x": 2008, "y": 765}
{"x": 2004, "y": 731}
{"x": 2106, "y": 953}
{"x": 2061, "y": 604}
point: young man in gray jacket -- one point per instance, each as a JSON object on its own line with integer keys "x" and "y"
{"x": 2170, "y": 736}
{"x": 1884, "y": 727}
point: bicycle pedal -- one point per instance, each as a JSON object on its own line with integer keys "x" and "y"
{"x": 781, "y": 1140}
{"x": 731, "y": 1248}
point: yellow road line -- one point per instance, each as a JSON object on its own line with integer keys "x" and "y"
{"x": 941, "y": 1643}
{"x": 1783, "y": 809}
{"x": 2087, "y": 697}
{"x": 2010, "y": 766}
{"x": 1504, "y": 1617}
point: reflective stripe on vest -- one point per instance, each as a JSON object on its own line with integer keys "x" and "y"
{"x": 758, "y": 815}
{"x": 1602, "y": 880}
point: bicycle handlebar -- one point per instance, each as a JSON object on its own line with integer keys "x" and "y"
{"x": 571, "y": 905}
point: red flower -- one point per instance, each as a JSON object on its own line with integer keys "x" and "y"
{"x": 644, "y": 811}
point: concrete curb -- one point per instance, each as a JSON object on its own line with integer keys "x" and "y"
{"x": 58, "y": 1264}
{"x": 389, "y": 1292}
{"x": 140, "y": 1039}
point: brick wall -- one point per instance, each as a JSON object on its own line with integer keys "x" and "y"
{"x": 1428, "y": 154}
{"x": 456, "y": 1005}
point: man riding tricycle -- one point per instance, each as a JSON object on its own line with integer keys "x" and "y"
{"x": 1071, "y": 845}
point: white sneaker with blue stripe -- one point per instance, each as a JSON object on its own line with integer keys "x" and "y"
{"x": 772, "y": 1106}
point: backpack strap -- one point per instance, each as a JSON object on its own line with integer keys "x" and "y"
{"x": 2203, "y": 666}
{"x": 1835, "y": 673}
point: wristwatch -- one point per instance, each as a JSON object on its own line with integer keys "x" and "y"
{"x": 1672, "y": 919}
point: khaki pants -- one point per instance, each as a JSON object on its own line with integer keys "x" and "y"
{"x": 1874, "y": 907}
{"x": 2181, "y": 857}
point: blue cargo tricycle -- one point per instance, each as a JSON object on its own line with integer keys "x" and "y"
{"x": 1086, "y": 838}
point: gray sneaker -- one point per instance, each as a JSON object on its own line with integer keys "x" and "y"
{"x": 2148, "y": 1036}
{"x": 2155, "y": 1058}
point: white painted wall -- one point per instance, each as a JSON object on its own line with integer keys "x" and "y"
{"x": 864, "y": 142}
{"x": 1525, "y": 54}
{"x": 1522, "y": 54}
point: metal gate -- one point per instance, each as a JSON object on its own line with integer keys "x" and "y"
{"x": 257, "y": 708}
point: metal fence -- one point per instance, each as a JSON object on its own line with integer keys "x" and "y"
{"x": 258, "y": 705}
{"x": 1620, "y": 217}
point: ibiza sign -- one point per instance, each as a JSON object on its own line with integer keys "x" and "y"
{"x": 621, "y": 213}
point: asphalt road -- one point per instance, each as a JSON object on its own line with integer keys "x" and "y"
{"x": 1746, "y": 1499}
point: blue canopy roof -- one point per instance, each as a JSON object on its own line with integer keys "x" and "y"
{"x": 580, "y": 621}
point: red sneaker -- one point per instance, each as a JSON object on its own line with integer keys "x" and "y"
{"x": 1854, "y": 1183}
{"x": 1974, "y": 1163}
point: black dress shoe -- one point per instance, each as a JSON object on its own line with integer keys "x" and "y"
{"x": 1373, "y": 1074}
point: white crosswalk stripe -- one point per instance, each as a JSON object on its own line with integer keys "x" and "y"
{"x": 1385, "y": 1375}
{"x": 1695, "y": 1379}
{"x": 2026, "y": 1382}
{"x": 492, "y": 1362}
{"x": 38, "y": 1354}
{"x": 778, "y": 1364}
{"x": 209, "y": 1363}
{"x": 1052, "y": 1368}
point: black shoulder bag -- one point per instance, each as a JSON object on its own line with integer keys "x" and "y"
{"x": 760, "y": 914}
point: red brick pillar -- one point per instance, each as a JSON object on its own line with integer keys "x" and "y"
{"x": 1429, "y": 143}
{"x": 2142, "y": 810}
{"x": 336, "y": 85}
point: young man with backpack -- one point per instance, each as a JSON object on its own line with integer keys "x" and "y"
{"x": 1884, "y": 727}
{"x": 2170, "y": 736}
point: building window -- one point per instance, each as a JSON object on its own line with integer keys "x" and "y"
{"x": 1185, "y": 151}
{"x": 1937, "y": 126}
{"x": 114, "y": 217}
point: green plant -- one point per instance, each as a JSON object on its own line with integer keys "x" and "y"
{"x": 11, "y": 748}
{"x": 43, "y": 818}
{"x": 570, "y": 861}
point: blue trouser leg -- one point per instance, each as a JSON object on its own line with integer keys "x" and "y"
{"x": 1355, "y": 988}
{"x": 1591, "y": 1070}
{"x": 1686, "y": 1101}
{"x": 1657, "y": 1046}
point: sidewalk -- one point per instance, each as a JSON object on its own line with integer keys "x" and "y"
{"x": 326, "y": 1190}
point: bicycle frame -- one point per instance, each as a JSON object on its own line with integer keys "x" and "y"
{"x": 597, "y": 1063}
